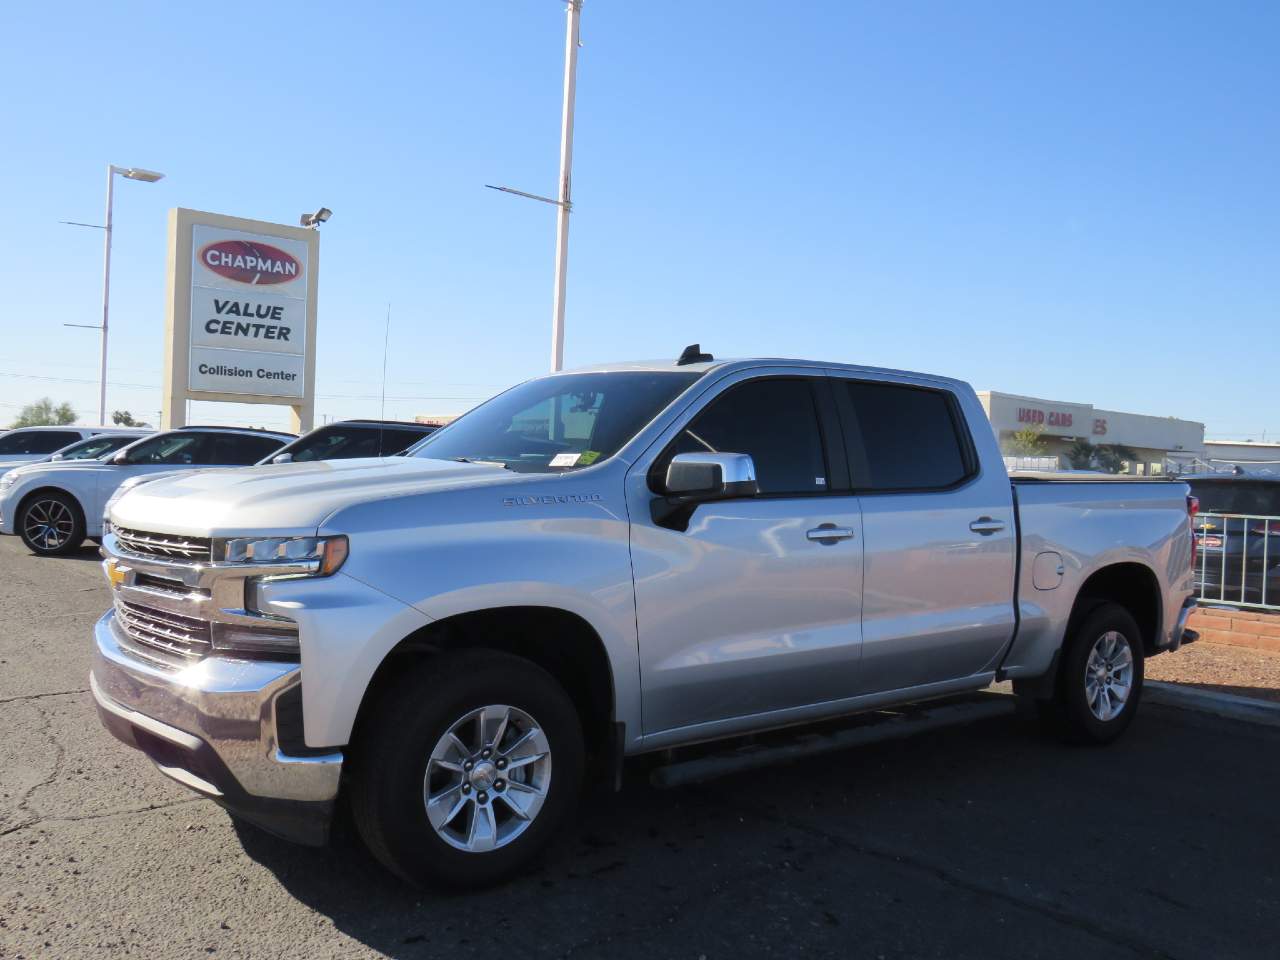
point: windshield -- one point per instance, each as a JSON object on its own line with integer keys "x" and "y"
{"x": 94, "y": 447}
{"x": 1259, "y": 497}
{"x": 558, "y": 423}
{"x": 344, "y": 441}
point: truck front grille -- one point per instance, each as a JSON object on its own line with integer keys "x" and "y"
{"x": 163, "y": 638}
{"x": 163, "y": 546}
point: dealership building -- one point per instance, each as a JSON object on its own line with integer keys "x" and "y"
{"x": 1159, "y": 444}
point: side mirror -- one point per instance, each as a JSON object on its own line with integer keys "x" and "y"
{"x": 282, "y": 458}
{"x": 711, "y": 476}
{"x": 120, "y": 458}
{"x": 55, "y": 457}
{"x": 694, "y": 478}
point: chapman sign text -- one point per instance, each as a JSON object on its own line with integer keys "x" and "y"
{"x": 248, "y": 313}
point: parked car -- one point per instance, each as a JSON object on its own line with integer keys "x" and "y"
{"x": 1238, "y": 539}
{"x": 84, "y": 449}
{"x": 28, "y": 444}
{"x": 609, "y": 562}
{"x": 344, "y": 440}
{"x": 349, "y": 439}
{"x": 55, "y": 506}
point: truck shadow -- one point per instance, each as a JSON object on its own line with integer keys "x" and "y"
{"x": 912, "y": 847}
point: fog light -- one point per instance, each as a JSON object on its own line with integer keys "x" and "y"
{"x": 274, "y": 639}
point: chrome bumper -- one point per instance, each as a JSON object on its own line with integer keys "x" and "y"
{"x": 217, "y": 728}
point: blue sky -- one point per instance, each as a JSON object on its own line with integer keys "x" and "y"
{"x": 1076, "y": 201}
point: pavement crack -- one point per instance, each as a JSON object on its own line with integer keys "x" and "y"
{"x": 125, "y": 811}
{"x": 41, "y": 696}
{"x": 1043, "y": 908}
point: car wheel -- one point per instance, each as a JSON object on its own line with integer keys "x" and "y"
{"x": 1100, "y": 676}
{"x": 51, "y": 524}
{"x": 467, "y": 766}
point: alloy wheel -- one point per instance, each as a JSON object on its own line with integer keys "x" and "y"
{"x": 1108, "y": 676}
{"x": 487, "y": 778}
{"x": 48, "y": 524}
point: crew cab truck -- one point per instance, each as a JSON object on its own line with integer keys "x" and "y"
{"x": 603, "y": 563}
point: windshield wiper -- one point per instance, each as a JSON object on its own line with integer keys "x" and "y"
{"x": 487, "y": 463}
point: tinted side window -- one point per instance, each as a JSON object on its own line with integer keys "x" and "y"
{"x": 37, "y": 441}
{"x": 394, "y": 441}
{"x": 178, "y": 448}
{"x": 903, "y": 438}
{"x": 237, "y": 450}
{"x": 773, "y": 420}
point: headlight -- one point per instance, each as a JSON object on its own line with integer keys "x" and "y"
{"x": 328, "y": 553}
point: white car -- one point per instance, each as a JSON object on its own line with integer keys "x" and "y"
{"x": 99, "y": 445}
{"x": 54, "y": 506}
{"x": 29, "y": 444}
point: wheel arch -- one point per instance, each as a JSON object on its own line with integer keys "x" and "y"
{"x": 560, "y": 641}
{"x": 1134, "y": 586}
{"x": 46, "y": 489}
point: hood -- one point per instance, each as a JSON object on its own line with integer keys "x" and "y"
{"x": 28, "y": 468}
{"x": 286, "y": 497}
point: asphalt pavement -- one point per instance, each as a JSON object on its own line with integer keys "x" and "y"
{"x": 984, "y": 841}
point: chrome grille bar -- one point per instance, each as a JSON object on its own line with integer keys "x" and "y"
{"x": 174, "y": 639}
{"x": 164, "y": 545}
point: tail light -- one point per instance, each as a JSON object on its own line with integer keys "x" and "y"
{"x": 1271, "y": 526}
{"x": 1193, "y": 508}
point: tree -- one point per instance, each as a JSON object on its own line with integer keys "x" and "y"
{"x": 43, "y": 413}
{"x": 1080, "y": 456}
{"x": 1026, "y": 442}
{"x": 124, "y": 418}
{"x": 1111, "y": 457}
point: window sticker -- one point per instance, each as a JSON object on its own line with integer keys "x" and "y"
{"x": 588, "y": 457}
{"x": 564, "y": 459}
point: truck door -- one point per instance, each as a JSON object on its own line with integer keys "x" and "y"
{"x": 750, "y": 609}
{"x": 938, "y": 534}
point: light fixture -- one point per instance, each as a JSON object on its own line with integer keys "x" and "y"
{"x": 137, "y": 173}
{"x": 314, "y": 220}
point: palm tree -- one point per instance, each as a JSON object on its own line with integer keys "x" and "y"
{"x": 1080, "y": 456}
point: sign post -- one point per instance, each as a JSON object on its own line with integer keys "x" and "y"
{"x": 241, "y": 317}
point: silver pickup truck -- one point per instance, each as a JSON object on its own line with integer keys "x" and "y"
{"x": 608, "y": 562}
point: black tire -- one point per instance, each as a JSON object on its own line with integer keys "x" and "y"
{"x": 64, "y": 531}
{"x": 1069, "y": 714}
{"x": 394, "y": 743}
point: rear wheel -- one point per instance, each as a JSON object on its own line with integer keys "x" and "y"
{"x": 467, "y": 766}
{"x": 51, "y": 524}
{"x": 1100, "y": 678}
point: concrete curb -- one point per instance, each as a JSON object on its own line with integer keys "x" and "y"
{"x": 1219, "y": 704}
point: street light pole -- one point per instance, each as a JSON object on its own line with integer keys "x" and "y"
{"x": 106, "y": 293}
{"x": 129, "y": 173}
{"x": 562, "y": 201}
{"x": 574, "y": 14}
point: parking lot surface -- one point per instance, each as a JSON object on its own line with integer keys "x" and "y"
{"x": 984, "y": 841}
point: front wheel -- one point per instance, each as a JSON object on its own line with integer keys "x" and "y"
{"x": 1099, "y": 678}
{"x": 51, "y": 524}
{"x": 467, "y": 766}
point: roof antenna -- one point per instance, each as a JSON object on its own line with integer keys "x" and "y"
{"x": 693, "y": 354}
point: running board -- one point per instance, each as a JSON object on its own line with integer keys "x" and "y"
{"x": 898, "y": 726}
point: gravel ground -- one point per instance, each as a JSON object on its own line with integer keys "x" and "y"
{"x": 1222, "y": 668}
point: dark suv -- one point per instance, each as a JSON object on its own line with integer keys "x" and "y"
{"x": 1238, "y": 537}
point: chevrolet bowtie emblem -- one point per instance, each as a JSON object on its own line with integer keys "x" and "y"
{"x": 115, "y": 572}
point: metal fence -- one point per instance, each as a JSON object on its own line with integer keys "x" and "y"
{"x": 1238, "y": 560}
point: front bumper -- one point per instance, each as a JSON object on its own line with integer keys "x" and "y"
{"x": 216, "y": 727}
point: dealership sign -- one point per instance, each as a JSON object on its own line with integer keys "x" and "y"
{"x": 248, "y": 313}
{"x": 241, "y": 321}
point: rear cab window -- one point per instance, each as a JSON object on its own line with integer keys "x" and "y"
{"x": 902, "y": 438}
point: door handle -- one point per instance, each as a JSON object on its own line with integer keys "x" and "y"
{"x": 986, "y": 526}
{"x": 829, "y": 533}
